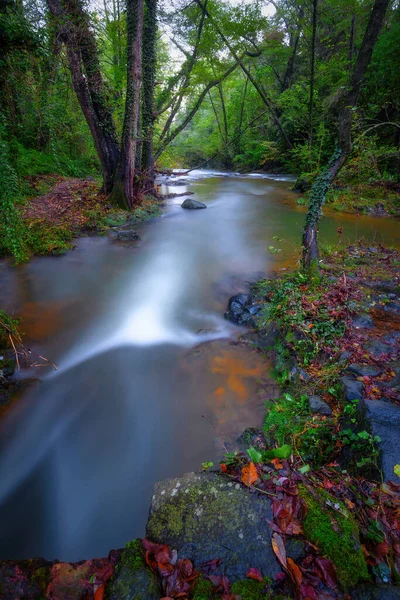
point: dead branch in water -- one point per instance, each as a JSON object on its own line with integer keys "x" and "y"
{"x": 8, "y": 327}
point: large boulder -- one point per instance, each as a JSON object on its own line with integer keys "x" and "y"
{"x": 383, "y": 418}
{"x": 206, "y": 516}
{"x": 192, "y": 204}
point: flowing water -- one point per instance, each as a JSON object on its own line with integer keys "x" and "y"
{"x": 143, "y": 351}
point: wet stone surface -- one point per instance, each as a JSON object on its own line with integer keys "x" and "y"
{"x": 206, "y": 515}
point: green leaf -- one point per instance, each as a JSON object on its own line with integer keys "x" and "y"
{"x": 254, "y": 455}
{"x": 396, "y": 470}
{"x": 282, "y": 452}
{"x": 304, "y": 469}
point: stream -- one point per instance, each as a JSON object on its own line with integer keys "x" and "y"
{"x": 143, "y": 353}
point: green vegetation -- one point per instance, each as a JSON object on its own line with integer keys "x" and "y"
{"x": 249, "y": 589}
{"x": 336, "y": 534}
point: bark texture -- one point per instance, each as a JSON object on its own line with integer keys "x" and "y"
{"x": 125, "y": 192}
{"x": 73, "y": 30}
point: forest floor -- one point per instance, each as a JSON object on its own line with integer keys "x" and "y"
{"x": 71, "y": 208}
{"x": 377, "y": 198}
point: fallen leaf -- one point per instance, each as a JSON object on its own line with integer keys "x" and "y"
{"x": 279, "y": 548}
{"x": 277, "y": 464}
{"x": 249, "y": 474}
{"x": 294, "y": 571}
{"x": 254, "y": 574}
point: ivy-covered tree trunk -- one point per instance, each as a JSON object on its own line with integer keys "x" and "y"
{"x": 74, "y": 31}
{"x": 348, "y": 103}
{"x": 125, "y": 193}
{"x": 148, "y": 108}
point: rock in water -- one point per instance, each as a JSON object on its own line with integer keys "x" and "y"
{"x": 207, "y": 516}
{"x": 192, "y": 204}
{"x": 127, "y": 235}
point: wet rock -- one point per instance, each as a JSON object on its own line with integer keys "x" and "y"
{"x": 302, "y": 185}
{"x": 192, "y": 204}
{"x": 363, "y": 321}
{"x": 389, "y": 312}
{"x": 263, "y": 339}
{"x": 384, "y": 420}
{"x": 252, "y": 437}
{"x": 352, "y": 389}
{"x": 344, "y": 356}
{"x": 296, "y": 549}
{"x": 364, "y": 370}
{"x": 368, "y": 591}
{"x": 133, "y": 578}
{"x": 239, "y": 310}
{"x": 206, "y": 515}
{"x": 317, "y": 405}
{"x": 255, "y": 309}
{"x": 379, "y": 209}
{"x": 127, "y": 235}
{"x": 16, "y": 583}
{"x": 376, "y": 348}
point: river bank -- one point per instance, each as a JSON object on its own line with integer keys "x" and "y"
{"x": 312, "y": 488}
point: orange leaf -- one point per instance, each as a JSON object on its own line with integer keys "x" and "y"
{"x": 277, "y": 463}
{"x": 294, "y": 572}
{"x": 249, "y": 474}
{"x": 99, "y": 595}
{"x": 279, "y": 548}
{"x": 223, "y": 467}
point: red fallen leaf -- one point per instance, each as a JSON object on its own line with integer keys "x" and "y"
{"x": 279, "y": 548}
{"x": 163, "y": 555}
{"x": 223, "y": 467}
{"x": 381, "y": 549}
{"x": 295, "y": 572}
{"x": 308, "y": 592}
{"x": 328, "y": 571}
{"x": 210, "y": 565}
{"x": 165, "y": 570}
{"x": 186, "y": 570}
{"x": 167, "y": 598}
{"x": 254, "y": 574}
{"x": 249, "y": 474}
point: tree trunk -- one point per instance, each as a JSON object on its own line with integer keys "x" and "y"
{"x": 148, "y": 108}
{"x": 349, "y": 101}
{"x": 74, "y": 31}
{"x": 125, "y": 193}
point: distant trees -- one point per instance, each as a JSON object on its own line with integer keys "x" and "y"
{"x": 347, "y": 104}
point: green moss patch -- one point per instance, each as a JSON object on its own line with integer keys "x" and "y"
{"x": 337, "y": 536}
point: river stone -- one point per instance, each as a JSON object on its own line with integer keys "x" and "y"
{"x": 192, "y": 204}
{"x": 352, "y": 389}
{"x": 207, "y": 516}
{"x": 369, "y": 591}
{"x": 239, "y": 307}
{"x": 364, "y": 370}
{"x": 376, "y": 348}
{"x": 384, "y": 420}
{"x": 363, "y": 321}
{"x": 263, "y": 339}
{"x": 127, "y": 235}
{"x": 317, "y": 405}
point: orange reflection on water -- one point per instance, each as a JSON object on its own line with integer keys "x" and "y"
{"x": 235, "y": 370}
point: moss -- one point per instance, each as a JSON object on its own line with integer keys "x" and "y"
{"x": 336, "y": 535}
{"x": 249, "y": 589}
{"x": 42, "y": 578}
{"x": 133, "y": 579}
{"x": 43, "y": 238}
{"x": 203, "y": 589}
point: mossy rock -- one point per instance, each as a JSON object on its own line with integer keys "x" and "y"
{"x": 133, "y": 580}
{"x": 336, "y": 535}
{"x": 207, "y": 516}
